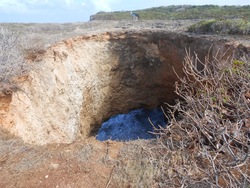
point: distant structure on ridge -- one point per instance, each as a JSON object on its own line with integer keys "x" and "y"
{"x": 135, "y": 16}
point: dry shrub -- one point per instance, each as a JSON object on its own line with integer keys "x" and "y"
{"x": 16, "y": 52}
{"x": 11, "y": 58}
{"x": 33, "y": 45}
{"x": 210, "y": 124}
{"x": 11, "y": 61}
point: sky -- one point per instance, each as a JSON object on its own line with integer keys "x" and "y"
{"x": 63, "y": 11}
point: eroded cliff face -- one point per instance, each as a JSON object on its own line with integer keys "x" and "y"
{"x": 82, "y": 81}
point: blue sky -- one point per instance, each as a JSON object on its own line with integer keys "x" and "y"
{"x": 80, "y": 10}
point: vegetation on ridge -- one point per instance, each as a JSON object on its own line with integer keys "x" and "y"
{"x": 180, "y": 12}
{"x": 236, "y": 26}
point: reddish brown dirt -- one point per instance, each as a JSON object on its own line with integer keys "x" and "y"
{"x": 81, "y": 164}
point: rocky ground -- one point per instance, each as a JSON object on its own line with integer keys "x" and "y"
{"x": 88, "y": 163}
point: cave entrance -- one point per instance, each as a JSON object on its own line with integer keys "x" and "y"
{"x": 128, "y": 71}
{"x": 139, "y": 123}
{"x": 91, "y": 78}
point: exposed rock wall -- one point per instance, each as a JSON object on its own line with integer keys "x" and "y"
{"x": 82, "y": 81}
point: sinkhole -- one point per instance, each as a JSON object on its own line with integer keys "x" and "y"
{"x": 137, "y": 124}
{"x": 105, "y": 85}
{"x": 138, "y": 72}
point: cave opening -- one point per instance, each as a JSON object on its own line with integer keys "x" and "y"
{"x": 136, "y": 75}
{"x": 92, "y": 78}
{"x": 138, "y": 123}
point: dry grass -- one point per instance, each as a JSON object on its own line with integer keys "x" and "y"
{"x": 134, "y": 167}
{"x": 11, "y": 58}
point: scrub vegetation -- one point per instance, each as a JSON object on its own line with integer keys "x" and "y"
{"x": 232, "y": 27}
{"x": 206, "y": 143}
{"x": 213, "y": 121}
{"x": 180, "y": 12}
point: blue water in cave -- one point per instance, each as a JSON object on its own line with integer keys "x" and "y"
{"x": 132, "y": 126}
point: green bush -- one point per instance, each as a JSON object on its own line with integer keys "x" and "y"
{"x": 233, "y": 27}
{"x": 180, "y": 12}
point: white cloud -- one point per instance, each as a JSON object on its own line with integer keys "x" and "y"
{"x": 74, "y": 4}
{"x": 69, "y": 2}
{"x": 27, "y": 6}
{"x": 12, "y": 6}
{"x": 101, "y": 5}
{"x": 18, "y": 6}
{"x": 104, "y": 5}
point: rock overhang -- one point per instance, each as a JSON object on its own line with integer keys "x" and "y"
{"x": 82, "y": 81}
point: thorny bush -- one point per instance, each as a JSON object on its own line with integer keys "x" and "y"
{"x": 212, "y": 120}
{"x": 11, "y": 61}
{"x": 15, "y": 51}
{"x": 11, "y": 57}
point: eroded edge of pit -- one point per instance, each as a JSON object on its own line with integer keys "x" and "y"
{"x": 87, "y": 79}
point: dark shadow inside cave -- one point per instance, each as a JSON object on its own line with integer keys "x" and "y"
{"x": 133, "y": 125}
